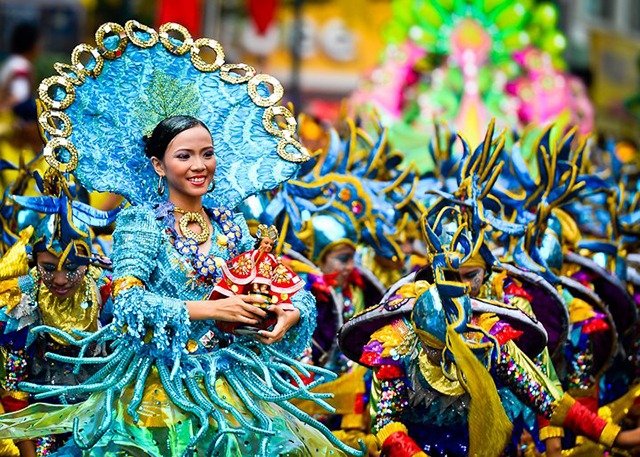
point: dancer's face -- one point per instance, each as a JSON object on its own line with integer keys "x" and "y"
{"x": 188, "y": 163}
{"x": 339, "y": 260}
{"x": 64, "y": 282}
{"x": 472, "y": 277}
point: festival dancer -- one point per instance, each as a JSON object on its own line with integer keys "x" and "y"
{"x": 174, "y": 384}
{"x": 64, "y": 286}
{"x": 444, "y": 368}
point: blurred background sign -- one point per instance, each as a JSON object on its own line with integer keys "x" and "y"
{"x": 61, "y": 22}
{"x": 614, "y": 60}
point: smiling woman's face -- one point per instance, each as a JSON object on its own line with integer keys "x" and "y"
{"x": 62, "y": 283}
{"x": 188, "y": 163}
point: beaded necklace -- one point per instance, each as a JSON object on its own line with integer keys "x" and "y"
{"x": 207, "y": 268}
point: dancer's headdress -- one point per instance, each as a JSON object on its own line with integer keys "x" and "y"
{"x": 97, "y": 110}
{"x": 350, "y": 192}
{"x": 65, "y": 227}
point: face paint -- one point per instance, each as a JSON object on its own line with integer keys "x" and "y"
{"x": 62, "y": 282}
{"x": 339, "y": 260}
{"x": 472, "y": 277}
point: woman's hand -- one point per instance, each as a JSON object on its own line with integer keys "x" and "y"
{"x": 553, "y": 447}
{"x": 238, "y": 308}
{"x": 628, "y": 438}
{"x": 286, "y": 317}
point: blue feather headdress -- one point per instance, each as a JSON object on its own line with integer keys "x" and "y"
{"x": 97, "y": 110}
{"x": 65, "y": 229}
{"x": 351, "y": 192}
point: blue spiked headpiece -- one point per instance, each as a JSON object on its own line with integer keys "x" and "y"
{"x": 65, "y": 229}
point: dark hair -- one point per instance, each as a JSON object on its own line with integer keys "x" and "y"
{"x": 24, "y": 37}
{"x": 156, "y": 144}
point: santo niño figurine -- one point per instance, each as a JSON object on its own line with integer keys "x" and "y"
{"x": 258, "y": 272}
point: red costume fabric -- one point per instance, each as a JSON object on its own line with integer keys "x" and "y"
{"x": 257, "y": 272}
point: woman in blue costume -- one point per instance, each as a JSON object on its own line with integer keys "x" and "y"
{"x": 173, "y": 383}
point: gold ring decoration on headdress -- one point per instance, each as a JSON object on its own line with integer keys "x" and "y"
{"x": 56, "y": 82}
{"x": 200, "y": 63}
{"x": 93, "y": 56}
{"x": 70, "y": 73}
{"x": 55, "y": 123}
{"x": 52, "y": 159}
{"x": 175, "y": 45}
{"x": 236, "y": 73}
{"x": 111, "y": 28}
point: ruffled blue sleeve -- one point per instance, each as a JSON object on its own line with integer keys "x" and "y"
{"x": 161, "y": 321}
{"x": 298, "y": 338}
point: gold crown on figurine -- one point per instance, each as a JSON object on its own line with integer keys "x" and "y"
{"x": 270, "y": 232}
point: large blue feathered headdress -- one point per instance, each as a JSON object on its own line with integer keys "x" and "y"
{"x": 98, "y": 109}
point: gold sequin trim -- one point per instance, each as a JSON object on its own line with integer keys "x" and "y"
{"x": 52, "y": 159}
{"x": 270, "y": 118}
{"x": 236, "y": 73}
{"x": 167, "y": 35}
{"x": 389, "y": 429}
{"x": 551, "y": 432}
{"x": 55, "y": 123}
{"x": 276, "y": 90}
{"x": 288, "y": 142}
{"x": 199, "y": 62}
{"x": 124, "y": 283}
{"x": 134, "y": 31}
{"x": 59, "y": 81}
{"x": 111, "y": 28}
{"x": 92, "y": 53}
{"x": 72, "y": 74}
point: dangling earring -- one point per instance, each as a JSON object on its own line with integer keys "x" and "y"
{"x": 161, "y": 186}
{"x": 212, "y": 185}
